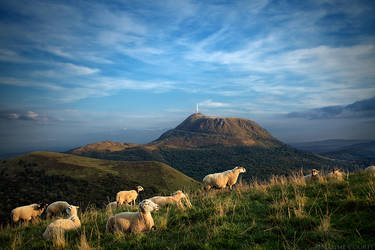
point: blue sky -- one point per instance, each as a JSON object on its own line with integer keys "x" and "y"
{"x": 72, "y": 72}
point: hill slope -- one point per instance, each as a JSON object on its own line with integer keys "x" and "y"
{"x": 47, "y": 176}
{"x": 326, "y": 146}
{"x": 201, "y": 145}
{"x": 279, "y": 214}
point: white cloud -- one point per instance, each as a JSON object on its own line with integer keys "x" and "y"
{"x": 31, "y": 115}
{"x": 211, "y": 104}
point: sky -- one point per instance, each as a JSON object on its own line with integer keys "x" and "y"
{"x": 76, "y": 72}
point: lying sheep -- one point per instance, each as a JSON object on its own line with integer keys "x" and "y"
{"x": 113, "y": 205}
{"x": 27, "y": 213}
{"x": 133, "y": 221}
{"x": 174, "y": 199}
{"x": 336, "y": 174}
{"x": 128, "y": 196}
{"x": 58, "y": 227}
{"x": 370, "y": 169}
{"x": 313, "y": 176}
{"x": 222, "y": 180}
{"x": 57, "y": 208}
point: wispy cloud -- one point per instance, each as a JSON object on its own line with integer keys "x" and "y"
{"x": 213, "y": 104}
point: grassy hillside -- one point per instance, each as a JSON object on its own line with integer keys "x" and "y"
{"x": 279, "y": 214}
{"x": 47, "y": 176}
{"x": 260, "y": 162}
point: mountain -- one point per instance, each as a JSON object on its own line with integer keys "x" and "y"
{"x": 201, "y": 145}
{"x": 326, "y": 146}
{"x": 47, "y": 176}
{"x": 360, "y": 152}
{"x": 199, "y": 130}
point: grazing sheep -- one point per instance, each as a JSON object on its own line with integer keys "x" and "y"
{"x": 127, "y": 196}
{"x": 58, "y": 227}
{"x": 336, "y": 174}
{"x": 27, "y": 213}
{"x": 57, "y": 208}
{"x": 313, "y": 176}
{"x": 133, "y": 221}
{"x": 222, "y": 180}
{"x": 113, "y": 205}
{"x": 174, "y": 199}
{"x": 370, "y": 169}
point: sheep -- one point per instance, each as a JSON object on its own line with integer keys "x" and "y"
{"x": 370, "y": 169}
{"x": 127, "y": 196}
{"x": 59, "y": 226}
{"x": 113, "y": 205}
{"x": 27, "y": 213}
{"x": 133, "y": 221}
{"x": 313, "y": 176}
{"x": 57, "y": 208}
{"x": 222, "y": 180}
{"x": 174, "y": 199}
{"x": 336, "y": 174}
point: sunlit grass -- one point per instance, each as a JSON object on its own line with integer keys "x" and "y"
{"x": 284, "y": 213}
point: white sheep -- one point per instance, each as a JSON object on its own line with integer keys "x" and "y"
{"x": 27, "y": 213}
{"x": 336, "y": 174}
{"x": 370, "y": 169}
{"x": 57, "y": 208}
{"x": 313, "y": 176}
{"x": 58, "y": 227}
{"x": 133, "y": 221}
{"x": 113, "y": 205}
{"x": 174, "y": 199}
{"x": 222, "y": 180}
{"x": 127, "y": 196}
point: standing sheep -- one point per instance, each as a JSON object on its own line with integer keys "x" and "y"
{"x": 370, "y": 169}
{"x": 336, "y": 174}
{"x": 58, "y": 227}
{"x": 222, "y": 180}
{"x": 133, "y": 221}
{"x": 313, "y": 176}
{"x": 27, "y": 213}
{"x": 128, "y": 196}
{"x": 174, "y": 199}
{"x": 57, "y": 208}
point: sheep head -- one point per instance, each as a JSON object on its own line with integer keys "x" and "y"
{"x": 314, "y": 172}
{"x": 71, "y": 210}
{"x": 147, "y": 206}
{"x": 335, "y": 171}
{"x": 139, "y": 189}
{"x": 240, "y": 169}
{"x": 178, "y": 194}
{"x": 41, "y": 206}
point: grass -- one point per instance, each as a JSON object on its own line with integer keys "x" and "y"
{"x": 282, "y": 213}
{"x": 48, "y": 177}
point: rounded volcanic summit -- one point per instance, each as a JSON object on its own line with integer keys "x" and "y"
{"x": 200, "y": 130}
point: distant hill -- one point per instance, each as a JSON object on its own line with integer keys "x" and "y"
{"x": 47, "y": 176}
{"x": 358, "y": 151}
{"x": 201, "y": 145}
{"x": 326, "y": 146}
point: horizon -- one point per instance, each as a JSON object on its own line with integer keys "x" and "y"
{"x": 82, "y": 72}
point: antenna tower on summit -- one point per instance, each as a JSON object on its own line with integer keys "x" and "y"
{"x": 197, "y": 110}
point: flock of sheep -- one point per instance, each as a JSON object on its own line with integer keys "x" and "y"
{"x": 134, "y": 221}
